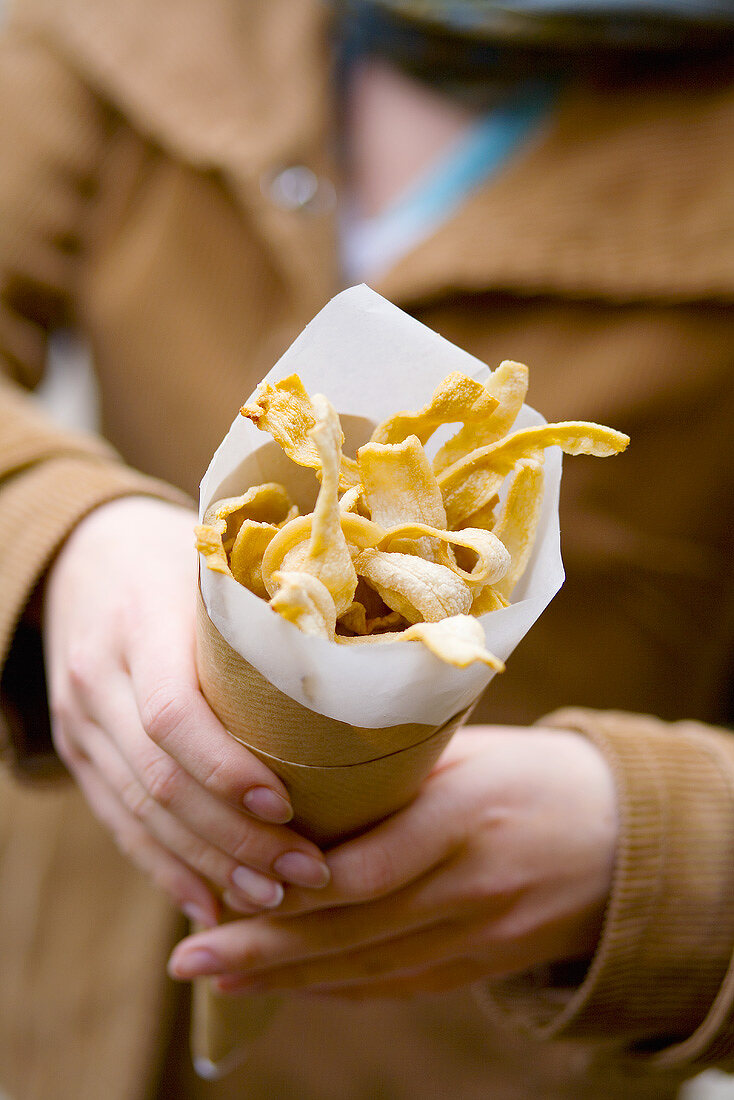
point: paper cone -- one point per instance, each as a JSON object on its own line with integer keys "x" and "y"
{"x": 341, "y": 778}
{"x": 351, "y": 730}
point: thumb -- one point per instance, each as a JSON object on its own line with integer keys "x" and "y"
{"x": 397, "y": 851}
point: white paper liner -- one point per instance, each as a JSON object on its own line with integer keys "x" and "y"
{"x": 371, "y": 360}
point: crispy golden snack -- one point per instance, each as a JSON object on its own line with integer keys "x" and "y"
{"x": 268, "y": 503}
{"x": 371, "y": 639}
{"x": 487, "y": 599}
{"x": 519, "y": 520}
{"x": 508, "y": 385}
{"x": 492, "y": 558}
{"x": 286, "y": 411}
{"x": 458, "y": 640}
{"x": 355, "y": 619}
{"x": 329, "y": 558}
{"x": 456, "y": 398}
{"x": 418, "y": 589}
{"x": 210, "y": 544}
{"x": 484, "y": 518}
{"x": 246, "y": 555}
{"x": 289, "y": 547}
{"x": 411, "y": 550}
{"x": 360, "y": 532}
{"x": 399, "y": 485}
{"x": 286, "y": 550}
{"x": 471, "y": 482}
{"x": 316, "y": 544}
{"x": 351, "y": 500}
{"x": 306, "y": 602}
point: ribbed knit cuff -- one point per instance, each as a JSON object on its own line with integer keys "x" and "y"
{"x": 660, "y": 969}
{"x": 29, "y": 438}
{"x": 39, "y": 508}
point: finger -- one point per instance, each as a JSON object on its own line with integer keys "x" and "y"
{"x": 251, "y": 889}
{"x": 434, "y": 979}
{"x": 176, "y": 716}
{"x": 270, "y": 942}
{"x": 506, "y": 959}
{"x": 256, "y": 946}
{"x": 397, "y": 852}
{"x": 239, "y": 840}
{"x": 391, "y": 959}
{"x": 491, "y": 934}
{"x": 173, "y": 877}
{"x": 432, "y": 959}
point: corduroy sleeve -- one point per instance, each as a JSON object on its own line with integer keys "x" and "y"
{"x": 52, "y": 132}
{"x": 661, "y": 982}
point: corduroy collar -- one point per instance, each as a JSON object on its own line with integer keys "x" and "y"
{"x": 215, "y": 81}
{"x": 626, "y": 195}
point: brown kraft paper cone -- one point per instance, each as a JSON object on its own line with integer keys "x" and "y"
{"x": 341, "y": 779}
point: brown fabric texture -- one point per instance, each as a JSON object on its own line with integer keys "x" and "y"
{"x": 83, "y": 973}
{"x": 49, "y": 479}
{"x": 674, "y": 872}
{"x": 137, "y": 206}
{"x": 38, "y": 509}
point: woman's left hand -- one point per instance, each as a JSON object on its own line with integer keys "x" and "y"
{"x": 501, "y": 863}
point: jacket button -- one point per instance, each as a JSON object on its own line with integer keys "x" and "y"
{"x": 299, "y": 188}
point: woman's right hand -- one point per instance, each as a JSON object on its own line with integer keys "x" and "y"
{"x": 184, "y": 801}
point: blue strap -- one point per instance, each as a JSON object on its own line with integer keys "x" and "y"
{"x": 482, "y": 150}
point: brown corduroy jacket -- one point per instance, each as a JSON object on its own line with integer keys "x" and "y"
{"x": 141, "y": 149}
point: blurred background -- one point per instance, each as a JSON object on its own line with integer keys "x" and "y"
{"x": 69, "y": 393}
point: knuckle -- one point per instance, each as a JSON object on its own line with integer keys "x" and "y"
{"x": 251, "y": 954}
{"x": 63, "y": 729}
{"x": 161, "y": 778}
{"x": 219, "y": 780}
{"x": 60, "y": 711}
{"x": 136, "y": 800}
{"x": 370, "y": 874}
{"x": 62, "y": 742}
{"x": 242, "y": 955}
{"x": 131, "y": 839}
{"x": 243, "y": 850}
{"x": 164, "y": 709}
{"x": 481, "y": 892}
{"x": 82, "y": 668}
{"x": 174, "y": 882}
{"x": 198, "y": 854}
{"x": 127, "y": 845}
{"x": 69, "y": 754}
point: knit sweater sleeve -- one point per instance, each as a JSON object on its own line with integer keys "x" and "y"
{"x": 52, "y": 131}
{"x": 661, "y": 982}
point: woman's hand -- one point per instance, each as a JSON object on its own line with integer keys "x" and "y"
{"x": 188, "y": 804}
{"x": 503, "y": 862}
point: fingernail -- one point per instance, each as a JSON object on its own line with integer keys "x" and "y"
{"x": 302, "y": 869}
{"x": 257, "y": 888}
{"x": 268, "y": 805}
{"x": 198, "y": 915}
{"x": 193, "y": 962}
{"x": 239, "y": 904}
